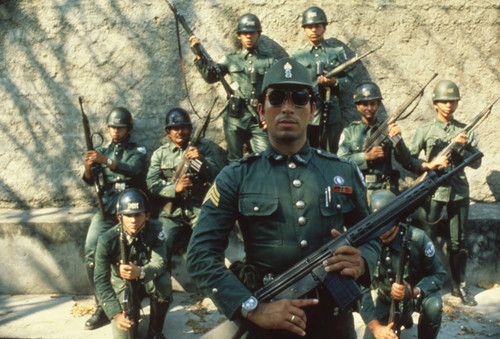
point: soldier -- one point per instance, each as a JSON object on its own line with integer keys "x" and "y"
{"x": 423, "y": 278}
{"x": 375, "y": 163}
{"x": 146, "y": 270}
{"x": 278, "y": 199}
{"x": 185, "y": 196}
{"x": 122, "y": 163}
{"x": 246, "y": 67}
{"x": 432, "y": 137}
{"x": 319, "y": 51}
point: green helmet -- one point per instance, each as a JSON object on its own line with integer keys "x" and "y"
{"x": 120, "y": 117}
{"x": 380, "y": 198}
{"x": 248, "y": 23}
{"x": 314, "y": 15}
{"x": 132, "y": 201}
{"x": 446, "y": 90}
{"x": 177, "y": 117}
{"x": 287, "y": 71}
{"x": 367, "y": 91}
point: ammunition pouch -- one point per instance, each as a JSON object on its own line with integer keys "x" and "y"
{"x": 234, "y": 106}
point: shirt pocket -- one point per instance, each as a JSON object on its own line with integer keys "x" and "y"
{"x": 168, "y": 168}
{"x": 236, "y": 68}
{"x": 262, "y": 226}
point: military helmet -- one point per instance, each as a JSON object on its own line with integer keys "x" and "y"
{"x": 314, "y": 15}
{"x": 120, "y": 117}
{"x": 177, "y": 117}
{"x": 132, "y": 201}
{"x": 446, "y": 90}
{"x": 287, "y": 71}
{"x": 380, "y": 198}
{"x": 367, "y": 91}
{"x": 248, "y": 23}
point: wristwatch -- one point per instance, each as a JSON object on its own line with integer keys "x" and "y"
{"x": 143, "y": 273}
{"x": 109, "y": 162}
{"x": 248, "y": 306}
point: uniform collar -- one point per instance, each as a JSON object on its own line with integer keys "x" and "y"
{"x": 121, "y": 144}
{"x": 367, "y": 127}
{"x": 443, "y": 124}
{"x": 173, "y": 147}
{"x": 322, "y": 45}
{"x": 245, "y": 52}
{"x": 301, "y": 157}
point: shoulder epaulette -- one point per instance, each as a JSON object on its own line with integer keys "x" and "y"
{"x": 250, "y": 157}
{"x": 357, "y": 122}
{"x": 325, "y": 154}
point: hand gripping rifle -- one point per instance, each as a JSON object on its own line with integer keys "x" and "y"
{"x": 95, "y": 169}
{"x": 382, "y": 132}
{"x": 189, "y": 164}
{"x": 397, "y": 313}
{"x": 309, "y": 273}
{"x": 128, "y": 292}
{"x": 457, "y": 147}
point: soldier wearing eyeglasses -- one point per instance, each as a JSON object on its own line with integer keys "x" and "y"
{"x": 278, "y": 198}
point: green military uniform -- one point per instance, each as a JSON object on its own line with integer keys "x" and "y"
{"x": 147, "y": 249}
{"x": 331, "y": 56}
{"x": 186, "y": 207}
{"x": 284, "y": 214}
{"x": 242, "y": 124}
{"x": 130, "y": 161}
{"x": 424, "y": 271}
{"x": 432, "y": 137}
{"x": 378, "y": 173}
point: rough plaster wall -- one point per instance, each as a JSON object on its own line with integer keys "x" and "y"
{"x": 124, "y": 53}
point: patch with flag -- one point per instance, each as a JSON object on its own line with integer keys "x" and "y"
{"x": 213, "y": 195}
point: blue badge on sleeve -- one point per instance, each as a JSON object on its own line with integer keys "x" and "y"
{"x": 429, "y": 249}
{"x": 161, "y": 235}
{"x": 142, "y": 149}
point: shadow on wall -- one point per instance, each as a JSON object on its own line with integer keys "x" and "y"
{"x": 493, "y": 181}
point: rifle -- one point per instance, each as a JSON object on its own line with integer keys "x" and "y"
{"x": 128, "y": 292}
{"x": 325, "y": 109}
{"x": 382, "y": 132}
{"x": 346, "y": 64}
{"x": 95, "y": 169}
{"x": 189, "y": 164}
{"x": 454, "y": 146}
{"x": 309, "y": 272}
{"x": 396, "y": 314}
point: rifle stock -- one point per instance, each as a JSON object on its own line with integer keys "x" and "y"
{"x": 95, "y": 169}
{"x": 308, "y": 273}
{"x": 382, "y": 132}
{"x": 189, "y": 164}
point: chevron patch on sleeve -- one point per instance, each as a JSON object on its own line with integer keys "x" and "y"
{"x": 213, "y": 195}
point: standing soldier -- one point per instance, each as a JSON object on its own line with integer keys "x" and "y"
{"x": 375, "y": 163}
{"x": 183, "y": 198}
{"x": 431, "y": 138}
{"x": 320, "y": 56}
{"x": 246, "y": 67}
{"x": 278, "y": 198}
{"x": 122, "y": 164}
{"x": 423, "y": 277}
{"x": 145, "y": 269}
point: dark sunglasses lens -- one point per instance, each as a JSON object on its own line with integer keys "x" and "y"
{"x": 300, "y": 98}
{"x": 276, "y": 97}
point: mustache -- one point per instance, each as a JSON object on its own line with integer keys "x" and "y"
{"x": 288, "y": 118}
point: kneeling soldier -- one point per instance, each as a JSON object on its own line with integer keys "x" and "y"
{"x": 144, "y": 267}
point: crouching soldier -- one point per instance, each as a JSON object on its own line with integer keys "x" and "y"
{"x": 122, "y": 283}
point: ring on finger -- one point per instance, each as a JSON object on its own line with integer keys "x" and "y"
{"x": 293, "y": 318}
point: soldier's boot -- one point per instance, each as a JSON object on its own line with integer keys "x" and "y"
{"x": 99, "y": 318}
{"x": 459, "y": 287}
{"x": 159, "y": 309}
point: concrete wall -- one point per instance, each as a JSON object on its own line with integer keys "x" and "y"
{"x": 124, "y": 53}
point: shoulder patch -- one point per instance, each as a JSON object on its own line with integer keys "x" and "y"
{"x": 142, "y": 149}
{"x": 429, "y": 249}
{"x": 161, "y": 235}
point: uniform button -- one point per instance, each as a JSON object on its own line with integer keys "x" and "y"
{"x": 319, "y": 151}
{"x": 389, "y": 270}
{"x": 339, "y": 206}
{"x": 278, "y": 157}
{"x": 303, "y": 243}
{"x": 316, "y": 55}
{"x": 302, "y": 220}
{"x": 391, "y": 280}
{"x": 387, "y": 259}
{"x": 297, "y": 183}
{"x": 300, "y": 204}
{"x": 292, "y": 165}
{"x": 336, "y": 311}
{"x": 257, "y": 154}
{"x": 256, "y": 208}
{"x": 378, "y": 263}
{"x": 215, "y": 290}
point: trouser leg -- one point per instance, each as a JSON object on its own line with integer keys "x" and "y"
{"x": 429, "y": 321}
{"x": 159, "y": 309}
{"x": 234, "y": 142}
{"x": 334, "y": 131}
{"x": 258, "y": 138}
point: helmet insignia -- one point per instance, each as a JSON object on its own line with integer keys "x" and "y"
{"x": 133, "y": 206}
{"x": 288, "y": 70}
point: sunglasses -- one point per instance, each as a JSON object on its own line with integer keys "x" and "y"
{"x": 277, "y": 97}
